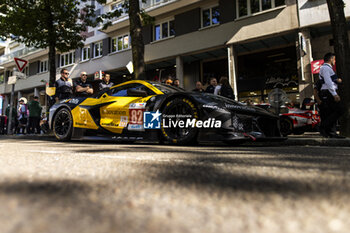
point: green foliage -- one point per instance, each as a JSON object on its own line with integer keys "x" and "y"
{"x": 106, "y": 19}
{"x": 41, "y": 23}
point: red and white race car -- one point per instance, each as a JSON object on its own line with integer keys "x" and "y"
{"x": 297, "y": 120}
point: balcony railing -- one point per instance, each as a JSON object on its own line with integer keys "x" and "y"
{"x": 148, "y": 5}
{"x": 7, "y": 57}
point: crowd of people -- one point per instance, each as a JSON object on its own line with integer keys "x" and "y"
{"x": 66, "y": 88}
{"x": 222, "y": 88}
{"x": 27, "y": 119}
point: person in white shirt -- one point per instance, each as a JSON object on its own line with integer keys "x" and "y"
{"x": 331, "y": 106}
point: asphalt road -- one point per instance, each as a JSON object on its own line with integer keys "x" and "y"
{"x": 46, "y": 186}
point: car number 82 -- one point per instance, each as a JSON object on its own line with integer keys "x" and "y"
{"x": 136, "y": 116}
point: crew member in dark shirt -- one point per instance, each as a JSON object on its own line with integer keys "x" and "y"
{"x": 105, "y": 83}
{"x": 211, "y": 88}
{"x": 199, "y": 87}
{"x": 82, "y": 87}
{"x": 64, "y": 86}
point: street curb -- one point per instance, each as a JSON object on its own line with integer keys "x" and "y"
{"x": 332, "y": 142}
{"x": 306, "y": 142}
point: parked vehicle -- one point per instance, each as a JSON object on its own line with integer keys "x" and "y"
{"x": 298, "y": 120}
{"x": 186, "y": 117}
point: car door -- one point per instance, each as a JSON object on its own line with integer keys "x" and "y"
{"x": 126, "y": 109}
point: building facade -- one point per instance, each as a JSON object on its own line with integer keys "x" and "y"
{"x": 256, "y": 43}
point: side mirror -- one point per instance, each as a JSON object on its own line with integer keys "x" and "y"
{"x": 136, "y": 93}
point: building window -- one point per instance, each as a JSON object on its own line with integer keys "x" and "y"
{"x": 249, "y": 7}
{"x": 85, "y": 54}
{"x": 210, "y": 16}
{"x": 67, "y": 58}
{"x": 163, "y": 30}
{"x": 26, "y": 71}
{"x": 43, "y": 66}
{"x": 120, "y": 43}
{"x": 98, "y": 49}
{"x": 279, "y": 3}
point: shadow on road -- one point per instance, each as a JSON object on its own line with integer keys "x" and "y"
{"x": 61, "y": 188}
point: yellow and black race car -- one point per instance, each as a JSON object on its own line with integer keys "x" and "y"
{"x": 154, "y": 111}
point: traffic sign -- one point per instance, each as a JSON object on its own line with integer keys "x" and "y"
{"x": 20, "y": 63}
{"x": 12, "y": 80}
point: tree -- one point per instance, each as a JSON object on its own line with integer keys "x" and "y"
{"x": 342, "y": 51}
{"x": 138, "y": 18}
{"x": 53, "y": 24}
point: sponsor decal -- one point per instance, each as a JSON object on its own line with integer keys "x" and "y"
{"x": 114, "y": 112}
{"x": 123, "y": 121}
{"x": 137, "y": 105}
{"x": 136, "y": 113}
{"x": 238, "y": 107}
{"x": 73, "y": 101}
{"x": 133, "y": 127}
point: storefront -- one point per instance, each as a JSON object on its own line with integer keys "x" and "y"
{"x": 260, "y": 73}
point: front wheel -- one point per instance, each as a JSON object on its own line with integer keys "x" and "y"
{"x": 182, "y": 109}
{"x": 286, "y": 126}
{"x": 63, "y": 125}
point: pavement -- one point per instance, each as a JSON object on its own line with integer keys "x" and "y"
{"x": 102, "y": 187}
{"x": 306, "y": 139}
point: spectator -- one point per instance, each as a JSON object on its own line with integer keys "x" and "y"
{"x": 64, "y": 86}
{"x": 14, "y": 122}
{"x": 169, "y": 81}
{"x": 331, "y": 107}
{"x": 82, "y": 87}
{"x": 212, "y": 84}
{"x": 22, "y": 115}
{"x": 176, "y": 83}
{"x": 105, "y": 83}
{"x": 199, "y": 87}
{"x": 34, "y": 116}
{"x": 224, "y": 89}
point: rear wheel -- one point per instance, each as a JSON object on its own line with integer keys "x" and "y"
{"x": 286, "y": 126}
{"x": 175, "y": 134}
{"x": 63, "y": 125}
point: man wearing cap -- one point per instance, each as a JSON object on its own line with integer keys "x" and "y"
{"x": 105, "y": 83}
{"x": 64, "y": 86}
{"x": 82, "y": 87}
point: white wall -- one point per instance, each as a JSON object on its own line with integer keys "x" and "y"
{"x": 313, "y": 12}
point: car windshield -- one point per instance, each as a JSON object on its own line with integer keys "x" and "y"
{"x": 166, "y": 89}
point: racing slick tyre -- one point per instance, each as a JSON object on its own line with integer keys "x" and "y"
{"x": 63, "y": 125}
{"x": 286, "y": 126}
{"x": 175, "y": 134}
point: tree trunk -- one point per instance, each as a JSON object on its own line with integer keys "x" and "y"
{"x": 137, "y": 45}
{"x": 52, "y": 43}
{"x": 342, "y": 51}
{"x": 52, "y": 61}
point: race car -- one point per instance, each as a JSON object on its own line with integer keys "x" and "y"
{"x": 297, "y": 120}
{"x": 153, "y": 111}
